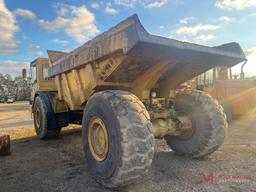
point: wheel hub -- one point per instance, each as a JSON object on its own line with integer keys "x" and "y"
{"x": 98, "y": 139}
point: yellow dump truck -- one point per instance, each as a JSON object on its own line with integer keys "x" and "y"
{"x": 122, "y": 87}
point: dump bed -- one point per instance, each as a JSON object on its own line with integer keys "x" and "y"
{"x": 142, "y": 51}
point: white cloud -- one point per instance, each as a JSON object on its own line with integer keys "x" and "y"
{"x": 194, "y": 30}
{"x": 235, "y": 4}
{"x": 127, "y": 3}
{"x": 225, "y": 19}
{"x": 186, "y": 20}
{"x": 145, "y": 3}
{"x": 110, "y": 10}
{"x": 25, "y": 13}
{"x": 13, "y": 67}
{"x": 95, "y": 5}
{"x": 204, "y": 38}
{"x": 199, "y": 39}
{"x": 77, "y": 22}
{"x": 8, "y": 28}
{"x": 61, "y": 42}
{"x": 156, "y": 4}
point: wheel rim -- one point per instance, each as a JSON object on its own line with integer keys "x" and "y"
{"x": 98, "y": 139}
{"x": 38, "y": 118}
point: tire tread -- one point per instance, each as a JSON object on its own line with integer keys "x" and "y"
{"x": 137, "y": 140}
{"x": 215, "y": 133}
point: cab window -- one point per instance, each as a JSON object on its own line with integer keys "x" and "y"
{"x": 45, "y": 72}
{"x": 33, "y": 74}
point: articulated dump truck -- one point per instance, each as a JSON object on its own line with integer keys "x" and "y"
{"x": 123, "y": 87}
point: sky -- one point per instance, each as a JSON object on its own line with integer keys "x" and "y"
{"x": 28, "y": 28}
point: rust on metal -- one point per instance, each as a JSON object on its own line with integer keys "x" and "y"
{"x": 5, "y": 145}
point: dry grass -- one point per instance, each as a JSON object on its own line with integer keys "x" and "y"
{"x": 12, "y": 118}
{"x": 16, "y": 121}
{"x": 11, "y": 115}
{"x": 19, "y": 132}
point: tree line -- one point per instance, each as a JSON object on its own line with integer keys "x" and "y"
{"x": 18, "y": 88}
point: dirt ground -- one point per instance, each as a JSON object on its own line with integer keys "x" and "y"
{"x": 59, "y": 165}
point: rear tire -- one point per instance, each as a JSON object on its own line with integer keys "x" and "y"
{"x": 45, "y": 121}
{"x": 130, "y": 138}
{"x": 208, "y": 122}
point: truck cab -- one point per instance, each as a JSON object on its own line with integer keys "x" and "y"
{"x": 39, "y": 77}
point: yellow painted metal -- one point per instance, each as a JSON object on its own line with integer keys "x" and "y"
{"x": 47, "y": 85}
{"x": 41, "y": 84}
{"x": 58, "y": 84}
{"x": 239, "y": 94}
{"x": 142, "y": 85}
{"x": 98, "y": 139}
{"x": 77, "y": 85}
{"x": 59, "y": 105}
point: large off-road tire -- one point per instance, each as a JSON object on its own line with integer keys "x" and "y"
{"x": 45, "y": 121}
{"x": 208, "y": 124}
{"x": 129, "y": 137}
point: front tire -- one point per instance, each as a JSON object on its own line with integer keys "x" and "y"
{"x": 208, "y": 124}
{"x": 45, "y": 121}
{"x": 130, "y": 142}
